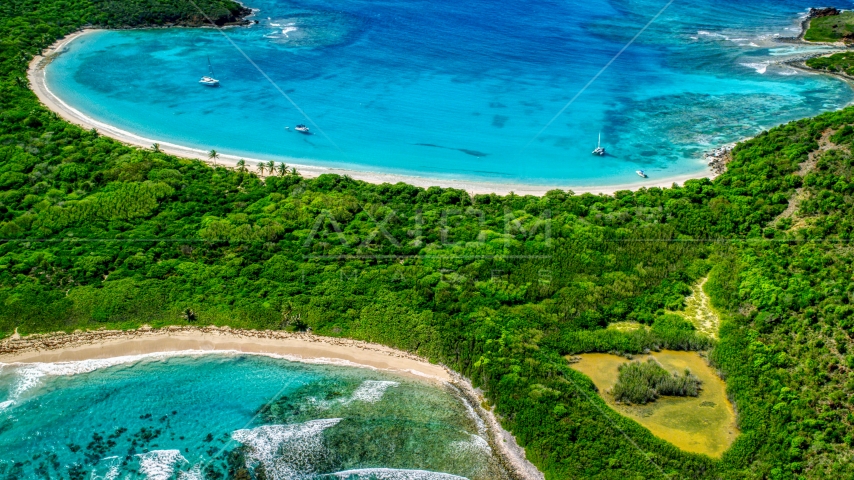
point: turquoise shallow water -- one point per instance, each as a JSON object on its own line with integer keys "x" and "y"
{"x": 220, "y": 416}
{"x": 477, "y": 90}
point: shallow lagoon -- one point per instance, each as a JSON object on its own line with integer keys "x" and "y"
{"x": 460, "y": 90}
{"x": 703, "y": 424}
{"x": 209, "y": 416}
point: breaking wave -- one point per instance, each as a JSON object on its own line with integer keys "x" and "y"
{"x": 760, "y": 68}
{"x": 372, "y": 391}
{"x": 475, "y": 444}
{"x": 29, "y": 375}
{"x": 194, "y": 473}
{"x": 392, "y": 474}
{"x": 160, "y": 464}
{"x": 287, "y": 451}
{"x": 479, "y": 423}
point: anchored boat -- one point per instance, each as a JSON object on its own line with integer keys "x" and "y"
{"x": 302, "y": 129}
{"x": 600, "y": 150}
{"x": 640, "y": 173}
{"x": 209, "y": 80}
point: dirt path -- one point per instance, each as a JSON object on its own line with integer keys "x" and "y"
{"x": 698, "y": 309}
{"x": 824, "y": 146}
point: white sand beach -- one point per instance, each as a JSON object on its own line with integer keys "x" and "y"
{"x": 292, "y": 346}
{"x": 36, "y": 77}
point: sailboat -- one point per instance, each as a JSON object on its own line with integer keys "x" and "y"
{"x": 209, "y": 80}
{"x": 600, "y": 150}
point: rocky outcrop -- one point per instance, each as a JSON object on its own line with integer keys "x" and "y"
{"x": 824, "y": 12}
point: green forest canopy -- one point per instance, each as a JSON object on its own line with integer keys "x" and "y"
{"x": 97, "y": 234}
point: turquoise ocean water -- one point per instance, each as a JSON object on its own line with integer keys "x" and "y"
{"x": 467, "y": 90}
{"x": 219, "y": 416}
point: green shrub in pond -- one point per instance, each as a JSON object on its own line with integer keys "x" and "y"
{"x": 644, "y": 382}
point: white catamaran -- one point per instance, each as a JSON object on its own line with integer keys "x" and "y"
{"x": 600, "y": 150}
{"x": 209, "y": 80}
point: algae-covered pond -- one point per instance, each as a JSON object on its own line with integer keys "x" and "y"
{"x": 703, "y": 424}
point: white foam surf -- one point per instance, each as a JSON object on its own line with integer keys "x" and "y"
{"x": 30, "y": 374}
{"x": 371, "y": 391}
{"x": 479, "y": 423}
{"x": 112, "y": 474}
{"x": 160, "y": 464}
{"x": 475, "y": 445}
{"x": 760, "y": 68}
{"x": 286, "y": 451}
{"x": 194, "y": 473}
{"x": 112, "y": 465}
{"x": 6, "y": 404}
{"x": 393, "y": 474}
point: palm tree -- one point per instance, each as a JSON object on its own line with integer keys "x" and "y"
{"x": 189, "y": 315}
{"x": 283, "y": 169}
{"x": 241, "y": 166}
{"x": 293, "y": 171}
{"x": 261, "y": 167}
{"x": 271, "y": 167}
{"x": 213, "y": 155}
{"x": 156, "y": 148}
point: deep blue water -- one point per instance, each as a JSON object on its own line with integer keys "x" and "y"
{"x": 209, "y": 416}
{"x": 452, "y": 89}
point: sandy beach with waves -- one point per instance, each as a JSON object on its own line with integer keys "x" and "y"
{"x": 303, "y": 347}
{"x": 84, "y": 351}
{"x": 36, "y": 76}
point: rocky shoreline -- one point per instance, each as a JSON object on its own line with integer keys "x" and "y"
{"x": 719, "y": 158}
{"x": 805, "y": 25}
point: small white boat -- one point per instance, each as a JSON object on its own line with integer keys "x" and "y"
{"x": 599, "y": 149}
{"x": 640, "y": 173}
{"x": 302, "y": 129}
{"x": 209, "y": 80}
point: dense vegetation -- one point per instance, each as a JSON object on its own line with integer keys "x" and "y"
{"x": 98, "y": 234}
{"x": 122, "y": 13}
{"x": 644, "y": 382}
{"x": 836, "y": 63}
{"x": 831, "y": 28}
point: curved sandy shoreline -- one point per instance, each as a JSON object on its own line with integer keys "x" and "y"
{"x": 302, "y": 347}
{"x": 36, "y": 77}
